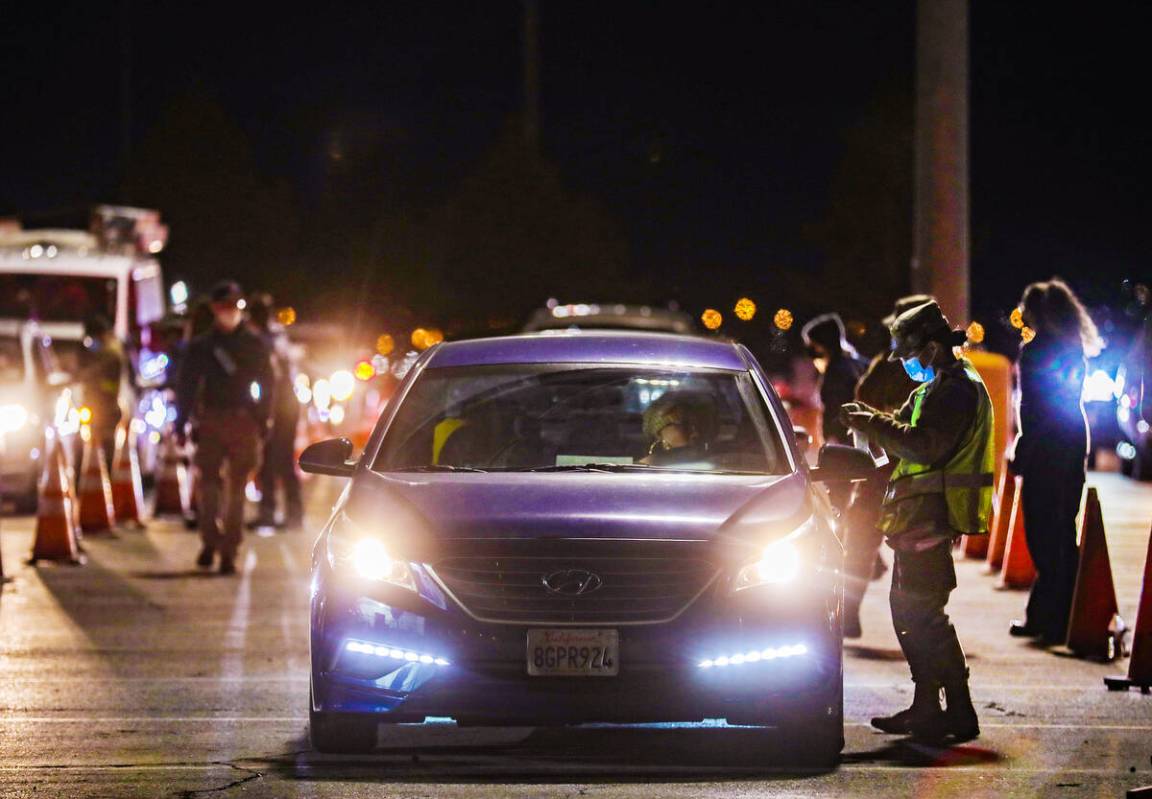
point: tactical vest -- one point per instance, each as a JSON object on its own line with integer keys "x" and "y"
{"x": 965, "y": 478}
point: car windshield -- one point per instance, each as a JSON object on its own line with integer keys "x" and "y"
{"x": 11, "y": 360}
{"x": 548, "y": 417}
{"x": 56, "y": 298}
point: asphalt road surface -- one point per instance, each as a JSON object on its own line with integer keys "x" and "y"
{"x": 135, "y": 675}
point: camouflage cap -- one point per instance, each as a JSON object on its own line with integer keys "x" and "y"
{"x": 906, "y": 303}
{"x": 914, "y": 329}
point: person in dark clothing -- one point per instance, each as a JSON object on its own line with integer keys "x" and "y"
{"x": 102, "y": 365}
{"x": 278, "y": 465}
{"x": 940, "y": 489}
{"x": 826, "y": 339}
{"x": 225, "y": 390}
{"x": 884, "y": 386}
{"x": 1051, "y": 450}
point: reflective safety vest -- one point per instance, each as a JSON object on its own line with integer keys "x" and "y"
{"x": 965, "y": 479}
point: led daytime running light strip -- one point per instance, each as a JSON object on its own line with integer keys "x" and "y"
{"x": 755, "y": 656}
{"x": 406, "y": 655}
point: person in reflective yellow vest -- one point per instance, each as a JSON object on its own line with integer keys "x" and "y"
{"x": 941, "y": 488}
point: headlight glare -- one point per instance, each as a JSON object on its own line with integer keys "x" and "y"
{"x": 351, "y": 549}
{"x": 779, "y": 564}
{"x": 12, "y": 418}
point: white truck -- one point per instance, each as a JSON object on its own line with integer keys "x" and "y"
{"x": 58, "y": 277}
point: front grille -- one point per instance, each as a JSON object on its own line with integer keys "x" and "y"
{"x": 641, "y": 582}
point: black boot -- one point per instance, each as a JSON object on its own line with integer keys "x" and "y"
{"x": 925, "y": 708}
{"x": 956, "y": 724}
{"x": 207, "y": 554}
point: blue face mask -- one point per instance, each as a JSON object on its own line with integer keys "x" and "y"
{"x": 918, "y": 371}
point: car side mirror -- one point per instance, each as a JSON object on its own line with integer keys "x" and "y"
{"x": 840, "y": 464}
{"x": 331, "y": 457}
{"x": 803, "y": 439}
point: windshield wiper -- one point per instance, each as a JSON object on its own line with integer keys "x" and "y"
{"x": 569, "y": 467}
{"x": 440, "y": 467}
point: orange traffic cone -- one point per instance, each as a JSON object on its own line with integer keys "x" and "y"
{"x": 976, "y": 546}
{"x": 1095, "y": 628}
{"x": 57, "y": 537}
{"x": 998, "y": 535}
{"x": 1140, "y": 665}
{"x": 96, "y": 512}
{"x": 1018, "y": 571}
{"x": 171, "y": 483}
{"x": 127, "y": 485}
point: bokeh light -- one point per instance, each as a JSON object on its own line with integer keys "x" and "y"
{"x": 745, "y": 309}
{"x": 976, "y": 333}
{"x": 286, "y": 316}
{"x": 1027, "y": 334}
{"x": 343, "y": 385}
{"x": 364, "y": 370}
{"x": 712, "y": 319}
{"x": 1017, "y": 318}
{"x": 783, "y": 319}
{"x": 385, "y": 344}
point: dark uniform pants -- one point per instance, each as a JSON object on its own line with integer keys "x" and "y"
{"x": 279, "y": 466}
{"x": 1052, "y": 494}
{"x": 921, "y": 583}
{"x": 227, "y": 451}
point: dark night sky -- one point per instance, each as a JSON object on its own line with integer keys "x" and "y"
{"x": 715, "y": 136}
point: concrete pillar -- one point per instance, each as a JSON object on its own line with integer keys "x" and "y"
{"x": 940, "y": 257}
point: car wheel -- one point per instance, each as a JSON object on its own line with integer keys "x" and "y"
{"x": 341, "y": 733}
{"x": 818, "y": 731}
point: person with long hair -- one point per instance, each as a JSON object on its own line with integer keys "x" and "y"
{"x": 1052, "y": 448}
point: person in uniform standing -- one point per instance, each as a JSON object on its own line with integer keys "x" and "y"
{"x": 941, "y": 488}
{"x": 102, "y": 365}
{"x": 884, "y": 386}
{"x": 278, "y": 466}
{"x": 224, "y": 393}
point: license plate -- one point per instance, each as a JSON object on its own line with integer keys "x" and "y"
{"x": 573, "y": 653}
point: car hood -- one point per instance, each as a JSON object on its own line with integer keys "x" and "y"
{"x": 579, "y": 505}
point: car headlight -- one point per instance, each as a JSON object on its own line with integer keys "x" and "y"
{"x": 352, "y": 549}
{"x": 12, "y": 417}
{"x": 780, "y": 563}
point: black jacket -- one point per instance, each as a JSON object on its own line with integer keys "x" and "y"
{"x": 225, "y": 371}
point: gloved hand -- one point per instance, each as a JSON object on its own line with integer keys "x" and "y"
{"x": 856, "y": 414}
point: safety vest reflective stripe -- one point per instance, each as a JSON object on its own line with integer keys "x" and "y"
{"x": 934, "y": 483}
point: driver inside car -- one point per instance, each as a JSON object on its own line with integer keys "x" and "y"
{"x": 681, "y": 426}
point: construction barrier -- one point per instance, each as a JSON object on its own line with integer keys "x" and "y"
{"x": 1017, "y": 571}
{"x": 127, "y": 484}
{"x": 1095, "y": 628}
{"x": 1002, "y": 523}
{"x": 57, "y": 538}
{"x": 97, "y": 514}
{"x": 171, "y": 482}
{"x": 1140, "y": 664}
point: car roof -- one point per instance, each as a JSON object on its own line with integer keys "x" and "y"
{"x": 595, "y": 347}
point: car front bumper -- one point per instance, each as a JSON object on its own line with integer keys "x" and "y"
{"x": 388, "y": 651}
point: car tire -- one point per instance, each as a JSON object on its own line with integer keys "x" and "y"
{"x": 341, "y": 733}
{"x": 818, "y": 731}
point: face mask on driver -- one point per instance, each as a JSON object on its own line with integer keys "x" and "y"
{"x": 917, "y": 370}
